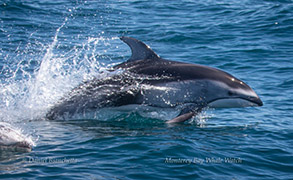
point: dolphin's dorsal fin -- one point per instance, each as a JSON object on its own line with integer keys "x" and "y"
{"x": 139, "y": 50}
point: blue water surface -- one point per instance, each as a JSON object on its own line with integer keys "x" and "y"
{"x": 49, "y": 47}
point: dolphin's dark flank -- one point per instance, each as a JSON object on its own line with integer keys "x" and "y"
{"x": 148, "y": 79}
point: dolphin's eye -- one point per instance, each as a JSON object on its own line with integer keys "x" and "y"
{"x": 230, "y": 93}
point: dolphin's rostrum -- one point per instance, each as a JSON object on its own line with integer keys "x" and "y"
{"x": 150, "y": 80}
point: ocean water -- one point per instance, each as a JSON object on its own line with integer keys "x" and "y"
{"x": 49, "y": 47}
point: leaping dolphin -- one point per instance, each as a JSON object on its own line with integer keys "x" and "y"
{"x": 148, "y": 79}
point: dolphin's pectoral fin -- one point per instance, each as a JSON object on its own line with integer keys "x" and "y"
{"x": 182, "y": 118}
{"x": 139, "y": 50}
{"x": 185, "y": 114}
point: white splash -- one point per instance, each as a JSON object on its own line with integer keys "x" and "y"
{"x": 28, "y": 94}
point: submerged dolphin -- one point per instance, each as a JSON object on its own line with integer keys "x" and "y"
{"x": 12, "y": 140}
{"x": 150, "y": 80}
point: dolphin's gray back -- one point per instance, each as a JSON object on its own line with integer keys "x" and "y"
{"x": 145, "y": 61}
{"x": 176, "y": 71}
